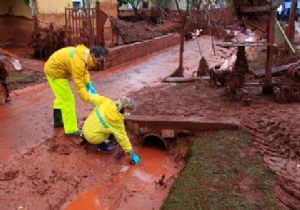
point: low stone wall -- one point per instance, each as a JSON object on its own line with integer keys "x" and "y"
{"x": 125, "y": 53}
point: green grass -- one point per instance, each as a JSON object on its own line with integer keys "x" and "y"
{"x": 211, "y": 178}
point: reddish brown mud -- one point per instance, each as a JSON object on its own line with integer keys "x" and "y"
{"x": 133, "y": 187}
{"x": 27, "y": 120}
{"x": 20, "y": 52}
{"x": 40, "y": 161}
{"x": 274, "y": 126}
{"x": 55, "y": 172}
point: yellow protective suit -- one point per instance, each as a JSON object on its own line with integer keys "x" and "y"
{"x": 63, "y": 64}
{"x": 64, "y": 100}
{"x": 71, "y": 62}
{"x": 104, "y": 120}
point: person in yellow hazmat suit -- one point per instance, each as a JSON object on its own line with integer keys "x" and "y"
{"x": 71, "y": 62}
{"x": 106, "y": 123}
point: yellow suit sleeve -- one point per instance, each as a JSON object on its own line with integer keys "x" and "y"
{"x": 120, "y": 134}
{"x": 96, "y": 99}
{"x": 79, "y": 78}
{"x": 87, "y": 78}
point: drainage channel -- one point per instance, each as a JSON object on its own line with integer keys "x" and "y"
{"x": 154, "y": 141}
{"x": 146, "y": 185}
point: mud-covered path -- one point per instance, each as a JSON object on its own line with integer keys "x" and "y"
{"x": 27, "y": 120}
{"x": 43, "y": 169}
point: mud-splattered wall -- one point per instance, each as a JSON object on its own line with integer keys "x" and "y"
{"x": 126, "y": 53}
{"x": 16, "y": 24}
{"x": 16, "y": 8}
{"x": 18, "y": 30}
{"x": 52, "y": 11}
{"x": 15, "y": 30}
{"x": 52, "y": 6}
{"x": 110, "y": 8}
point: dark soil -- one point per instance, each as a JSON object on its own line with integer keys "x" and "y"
{"x": 137, "y": 31}
{"x": 32, "y": 73}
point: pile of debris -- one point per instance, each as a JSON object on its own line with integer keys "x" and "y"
{"x": 288, "y": 90}
{"x": 4, "y": 95}
{"x": 236, "y": 78}
{"x": 45, "y": 41}
{"x": 8, "y": 62}
{"x": 130, "y": 32}
{"x": 232, "y": 77}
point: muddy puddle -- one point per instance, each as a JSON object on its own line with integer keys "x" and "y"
{"x": 133, "y": 187}
{"x": 59, "y": 174}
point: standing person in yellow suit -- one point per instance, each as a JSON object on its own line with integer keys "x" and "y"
{"x": 106, "y": 123}
{"x": 71, "y": 62}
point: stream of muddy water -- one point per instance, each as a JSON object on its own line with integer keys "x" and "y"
{"x": 144, "y": 186}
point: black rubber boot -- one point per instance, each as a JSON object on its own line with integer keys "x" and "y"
{"x": 58, "y": 122}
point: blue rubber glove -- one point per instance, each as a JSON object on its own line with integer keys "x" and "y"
{"x": 91, "y": 88}
{"x": 135, "y": 159}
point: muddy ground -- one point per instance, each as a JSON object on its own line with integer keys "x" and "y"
{"x": 143, "y": 30}
{"x": 32, "y": 72}
{"x": 53, "y": 174}
{"x": 57, "y": 171}
{"x": 274, "y": 126}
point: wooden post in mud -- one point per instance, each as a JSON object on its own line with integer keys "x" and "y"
{"x": 267, "y": 89}
{"x": 98, "y": 25}
{"x": 180, "y": 67}
{"x": 292, "y": 19}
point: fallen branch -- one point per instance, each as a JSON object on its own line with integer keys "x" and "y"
{"x": 276, "y": 71}
{"x": 181, "y": 79}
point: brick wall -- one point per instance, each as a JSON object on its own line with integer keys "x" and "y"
{"x": 122, "y": 54}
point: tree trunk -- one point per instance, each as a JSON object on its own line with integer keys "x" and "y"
{"x": 180, "y": 67}
{"x": 179, "y": 71}
{"x": 268, "y": 89}
{"x": 88, "y": 29}
{"x": 292, "y": 18}
{"x": 135, "y": 11}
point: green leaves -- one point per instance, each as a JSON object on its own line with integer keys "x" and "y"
{"x": 27, "y": 2}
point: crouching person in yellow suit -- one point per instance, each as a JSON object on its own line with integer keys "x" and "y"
{"x": 106, "y": 123}
{"x": 71, "y": 62}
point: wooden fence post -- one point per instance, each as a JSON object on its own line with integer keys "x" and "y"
{"x": 269, "y": 64}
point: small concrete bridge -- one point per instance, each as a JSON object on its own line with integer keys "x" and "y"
{"x": 166, "y": 128}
